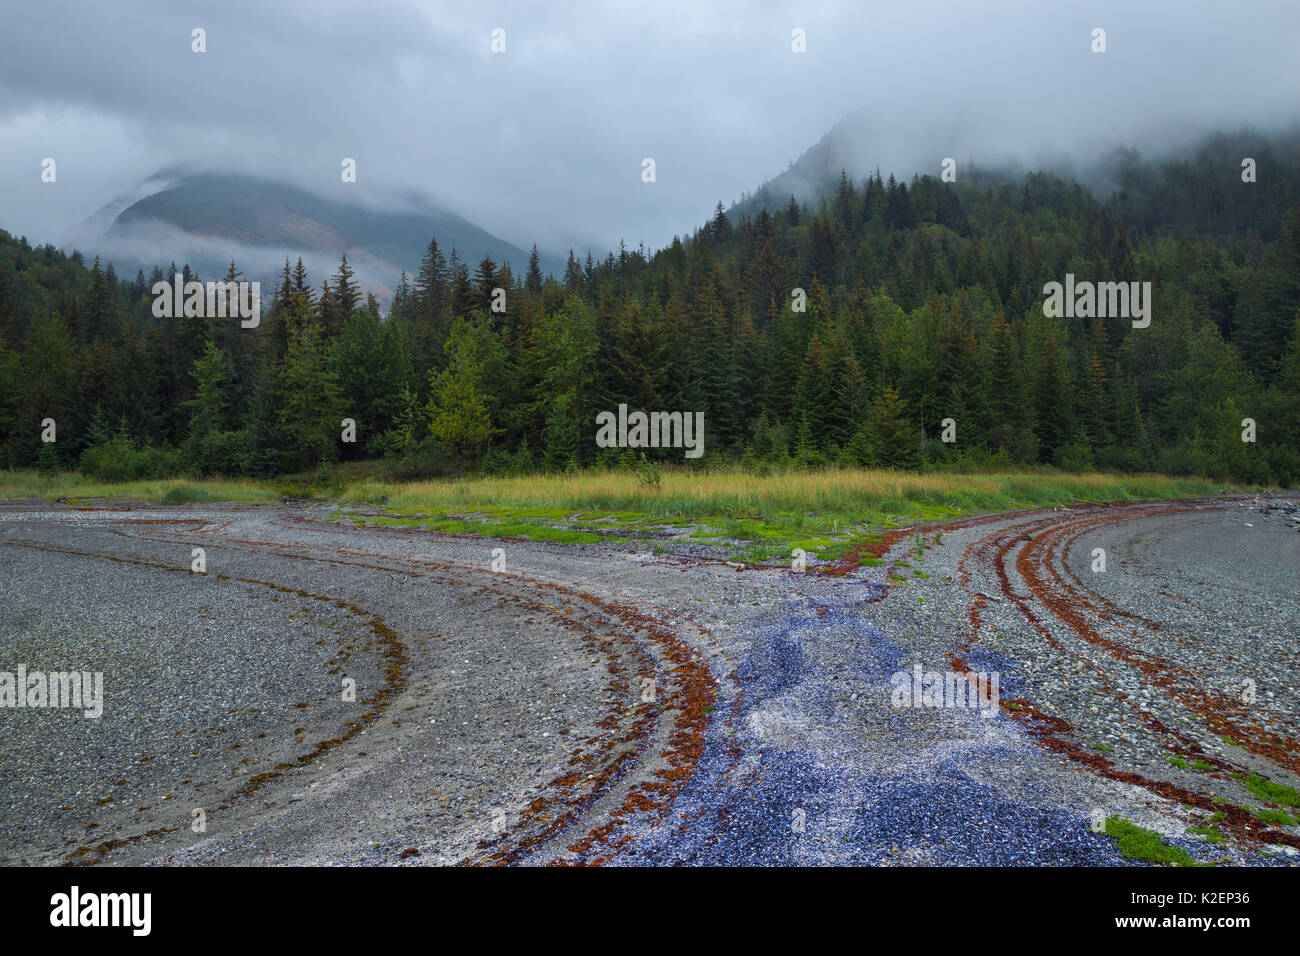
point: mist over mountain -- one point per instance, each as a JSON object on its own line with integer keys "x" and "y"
{"x": 207, "y": 219}
{"x": 858, "y": 146}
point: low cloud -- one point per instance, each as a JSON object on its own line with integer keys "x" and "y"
{"x": 543, "y": 143}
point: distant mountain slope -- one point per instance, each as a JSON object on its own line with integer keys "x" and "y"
{"x": 1195, "y": 185}
{"x": 211, "y": 218}
{"x": 812, "y": 176}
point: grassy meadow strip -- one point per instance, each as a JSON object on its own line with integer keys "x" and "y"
{"x": 752, "y": 517}
{"x": 75, "y": 488}
{"x": 850, "y": 494}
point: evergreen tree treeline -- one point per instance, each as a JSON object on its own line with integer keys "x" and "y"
{"x": 922, "y": 302}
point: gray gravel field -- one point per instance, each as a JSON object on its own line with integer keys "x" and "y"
{"x": 598, "y": 704}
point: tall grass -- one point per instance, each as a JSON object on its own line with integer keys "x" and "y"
{"x": 72, "y": 485}
{"x": 848, "y": 493}
{"x": 783, "y": 498}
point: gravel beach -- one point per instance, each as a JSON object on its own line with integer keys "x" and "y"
{"x": 329, "y": 694}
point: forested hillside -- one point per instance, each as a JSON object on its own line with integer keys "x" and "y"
{"x": 924, "y": 302}
{"x": 213, "y": 213}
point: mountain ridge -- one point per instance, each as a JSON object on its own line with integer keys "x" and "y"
{"x": 208, "y": 218}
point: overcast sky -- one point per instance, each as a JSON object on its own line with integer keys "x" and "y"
{"x": 544, "y": 142}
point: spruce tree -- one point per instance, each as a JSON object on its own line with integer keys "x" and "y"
{"x": 533, "y": 280}
{"x": 347, "y": 296}
{"x": 893, "y": 435}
